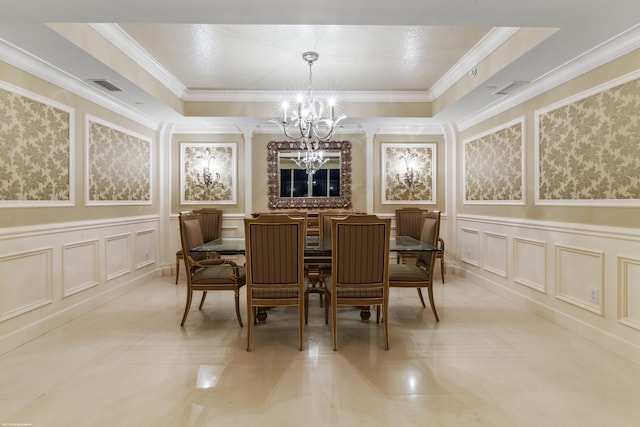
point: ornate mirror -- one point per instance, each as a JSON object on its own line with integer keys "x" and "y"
{"x": 299, "y": 179}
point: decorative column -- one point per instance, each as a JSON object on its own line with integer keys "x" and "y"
{"x": 167, "y": 253}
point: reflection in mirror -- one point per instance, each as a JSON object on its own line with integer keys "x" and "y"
{"x": 302, "y": 179}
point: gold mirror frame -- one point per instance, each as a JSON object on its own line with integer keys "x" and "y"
{"x": 274, "y": 148}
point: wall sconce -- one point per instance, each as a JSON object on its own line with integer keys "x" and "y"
{"x": 410, "y": 176}
{"x": 206, "y": 177}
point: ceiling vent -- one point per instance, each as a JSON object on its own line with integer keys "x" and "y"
{"x": 510, "y": 87}
{"x": 106, "y": 84}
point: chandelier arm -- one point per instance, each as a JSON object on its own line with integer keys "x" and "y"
{"x": 330, "y": 132}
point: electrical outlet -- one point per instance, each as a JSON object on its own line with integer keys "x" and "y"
{"x": 594, "y": 295}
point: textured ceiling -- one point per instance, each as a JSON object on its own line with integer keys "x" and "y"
{"x": 269, "y": 57}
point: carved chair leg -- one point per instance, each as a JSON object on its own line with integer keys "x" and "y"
{"x": 204, "y": 295}
{"x": 433, "y": 305}
{"x": 237, "y": 298}
{"x": 420, "y": 295}
{"x": 177, "y": 269}
{"x": 186, "y": 309}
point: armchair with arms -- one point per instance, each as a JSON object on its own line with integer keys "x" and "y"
{"x": 420, "y": 275}
{"x": 207, "y": 274}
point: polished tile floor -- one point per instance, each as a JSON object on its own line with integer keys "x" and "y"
{"x": 487, "y": 363}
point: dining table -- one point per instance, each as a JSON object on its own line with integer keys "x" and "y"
{"x": 317, "y": 251}
{"x": 315, "y": 247}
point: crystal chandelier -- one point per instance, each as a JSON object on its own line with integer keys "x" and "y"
{"x": 310, "y": 161}
{"x": 311, "y": 121}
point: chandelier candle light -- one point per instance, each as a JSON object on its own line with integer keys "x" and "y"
{"x": 308, "y": 124}
{"x": 311, "y": 161}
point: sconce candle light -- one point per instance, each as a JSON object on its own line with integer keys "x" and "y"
{"x": 410, "y": 174}
{"x": 206, "y": 177}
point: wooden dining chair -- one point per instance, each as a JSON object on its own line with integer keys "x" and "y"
{"x": 360, "y": 267}
{"x": 213, "y": 274}
{"x": 409, "y": 223}
{"x": 420, "y": 274}
{"x": 275, "y": 266}
{"x": 318, "y": 270}
{"x": 211, "y": 221}
{"x": 211, "y": 224}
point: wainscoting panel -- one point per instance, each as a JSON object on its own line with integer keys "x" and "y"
{"x": 25, "y": 282}
{"x": 470, "y": 246}
{"x": 52, "y": 273}
{"x": 145, "y": 248}
{"x": 495, "y": 251}
{"x": 580, "y": 277}
{"x": 118, "y": 255}
{"x": 530, "y": 263}
{"x": 585, "y": 278}
{"x": 80, "y": 268}
{"x": 629, "y": 291}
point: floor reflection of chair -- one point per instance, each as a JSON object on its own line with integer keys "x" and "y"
{"x": 207, "y": 274}
{"x": 360, "y": 267}
{"x": 420, "y": 275}
{"x": 275, "y": 266}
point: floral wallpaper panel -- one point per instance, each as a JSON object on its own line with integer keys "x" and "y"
{"x": 208, "y": 173}
{"x": 589, "y": 149}
{"x": 408, "y": 173}
{"x": 118, "y": 166}
{"x": 36, "y": 150}
{"x": 493, "y": 171}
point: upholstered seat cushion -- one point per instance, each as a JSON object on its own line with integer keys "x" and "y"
{"x": 407, "y": 273}
{"x": 275, "y": 293}
{"x": 218, "y": 274}
{"x": 357, "y": 292}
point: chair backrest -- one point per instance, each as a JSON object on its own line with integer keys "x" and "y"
{"x": 430, "y": 234}
{"x": 275, "y": 250}
{"x": 292, "y": 213}
{"x": 360, "y": 250}
{"x": 190, "y": 236}
{"x": 211, "y": 222}
{"x": 409, "y": 222}
{"x": 324, "y": 220}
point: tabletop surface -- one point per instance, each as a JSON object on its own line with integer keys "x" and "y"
{"x": 314, "y": 247}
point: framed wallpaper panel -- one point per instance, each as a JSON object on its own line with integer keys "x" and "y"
{"x": 207, "y": 173}
{"x": 36, "y": 150}
{"x": 118, "y": 165}
{"x": 493, "y": 168}
{"x": 587, "y": 147}
{"x": 408, "y": 173}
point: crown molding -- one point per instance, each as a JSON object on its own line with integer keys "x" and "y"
{"x": 599, "y": 55}
{"x": 489, "y": 43}
{"x": 274, "y": 96}
{"x": 125, "y": 43}
{"x": 25, "y": 61}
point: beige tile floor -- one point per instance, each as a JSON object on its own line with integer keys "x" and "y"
{"x": 487, "y": 363}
